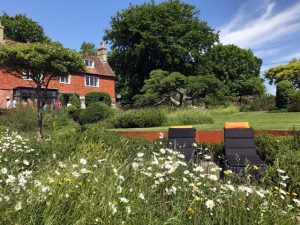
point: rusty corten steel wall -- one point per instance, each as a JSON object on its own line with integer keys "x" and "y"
{"x": 212, "y": 136}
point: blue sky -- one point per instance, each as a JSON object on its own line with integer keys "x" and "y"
{"x": 271, "y": 28}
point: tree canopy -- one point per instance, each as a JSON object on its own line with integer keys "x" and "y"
{"x": 168, "y": 36}
{"x": 290, "y": 72}
{"x": 88, "y": 48}
{"x": 177, "y": 88}
{"x": 237, "y": 68}
{"x": 20, "y": 28}
{"x": 42, "y": 63}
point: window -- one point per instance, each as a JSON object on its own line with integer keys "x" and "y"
{"x": 29, "y": 93}
{"x": 89, "y": 63}
{"x": 65, "y": 79}
{"x": 91, "y": 81}
{"x": 26, "y": 76}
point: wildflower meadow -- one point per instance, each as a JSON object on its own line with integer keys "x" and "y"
{"x": 93, "y": 176}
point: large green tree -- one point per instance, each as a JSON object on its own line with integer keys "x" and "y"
{"x": 284, "y": 91}
{"x": 168, "y": 36}
{"x": 42, "y": 63}
{"x": 177, "y": 88}
{"x": 88, "y": 48}
{"x": 20, "y": 28}
{"x": 290, "y": 72}
{"x": 237, "y": 68}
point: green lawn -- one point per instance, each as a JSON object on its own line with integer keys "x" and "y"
{"x": 258, "y": 120}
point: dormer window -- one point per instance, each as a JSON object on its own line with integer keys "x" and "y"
{"x": 89, "y": 63}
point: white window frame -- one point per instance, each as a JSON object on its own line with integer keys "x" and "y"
{"x": 89, "y": 60}
{"x": 26, "y": 76}
{"x": 62, "y": 82}
{"x": 89, "y": 85}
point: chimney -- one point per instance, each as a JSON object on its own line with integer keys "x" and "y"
{"x": 102, "y": 52}
{"x": 1, "y": 33}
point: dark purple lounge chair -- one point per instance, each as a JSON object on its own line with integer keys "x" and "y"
{"x": 182, "y": 139}
{"x": 240, "y": 150}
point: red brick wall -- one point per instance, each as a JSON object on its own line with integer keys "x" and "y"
{"x": 3, "y": 95}
{"x": 106, "y": 84}
{"x": 9, "y": 82}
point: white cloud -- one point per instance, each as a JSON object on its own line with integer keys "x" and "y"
{"x": 290, "y": 56}
{"x": 268, "y": 30}
{"x": 280, "y": 61}
{"x": 266, "y": 52}
{"x": 256, "y": 27}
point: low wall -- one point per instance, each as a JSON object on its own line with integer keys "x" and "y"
{"x": 208, "y": 136}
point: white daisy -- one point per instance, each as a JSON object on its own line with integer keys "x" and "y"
{"x": 4, "y": 170}
{"x": 142, "y": 196}
{"x": 83, "y": 161}
{"x": 209, "y": 204}
{"x": 124, "y": 200}
{"x": 140, "y": 154}
{"x": 18, "y": 206}
{"x": 280, "y": 171}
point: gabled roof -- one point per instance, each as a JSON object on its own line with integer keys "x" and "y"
{"x": 100, "y": 67}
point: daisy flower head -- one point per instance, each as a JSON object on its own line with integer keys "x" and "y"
{"x": 280, "y": 171}
{"x": 140, "y": 154}
{"x": 161, "y": 135}
{"x": 18, "y": 206}
{"x": 83, "y": 161}
{"x": 209, "y": 204}
{"x": 124, "y": 200}
{"x": 4, "y": 170}
{"x": 142, "y": 196}
{"x": 25, "y": 162}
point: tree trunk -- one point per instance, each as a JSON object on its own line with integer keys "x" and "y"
{"x": 40, "y": 106}
{"x": 177, "y": 103}
{"x": 205, "y": 104}
{"x": 240, "y": 100}
{"x": 181, "y": 105}
{"x": 40, "y": 119}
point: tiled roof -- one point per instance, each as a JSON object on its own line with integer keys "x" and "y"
{"x": 100, "y": 67}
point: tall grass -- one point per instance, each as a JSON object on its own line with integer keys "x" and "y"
{"x": 224, "y": 110}
{"x": 91, "y": 176}
{"x": 188, "y": 117}
{"x": 22, "y": 118}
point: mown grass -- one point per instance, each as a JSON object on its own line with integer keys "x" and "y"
{"x": 257, "y": 120}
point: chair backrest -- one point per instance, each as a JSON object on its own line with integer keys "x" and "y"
{"x": 238, "y": 139}
{"x": 236, "y": 133}
{"x": 181, "y": 133}
{"x": 181, "y": 137}
{"x": 239, "y": 147}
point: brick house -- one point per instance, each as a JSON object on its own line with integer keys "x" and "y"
{"x": 98, "y": 77}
